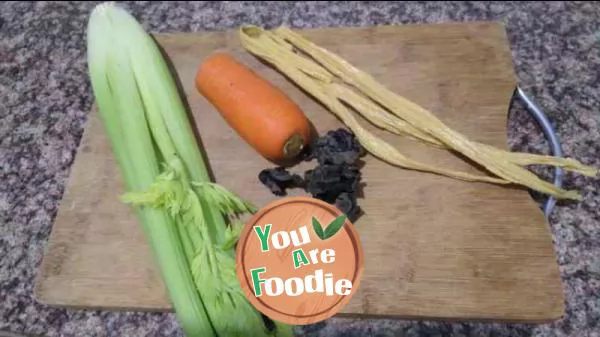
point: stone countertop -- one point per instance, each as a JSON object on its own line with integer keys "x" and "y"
{"x": 45, "y": 97}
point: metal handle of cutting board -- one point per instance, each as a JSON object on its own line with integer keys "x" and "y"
{"x": 553, "y": 139}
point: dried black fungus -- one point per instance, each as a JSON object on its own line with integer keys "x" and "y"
{"x": 336, "y": 147}
{"x": 327, "y": 182}
{"x": 279, "y": 179}
{"x": 336, "y": 177}
{"x": 346, "y": 202}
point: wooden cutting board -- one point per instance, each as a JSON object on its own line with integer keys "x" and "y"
{"x": 434, "y": 247}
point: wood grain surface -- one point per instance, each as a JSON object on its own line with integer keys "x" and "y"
{"x": 434, "y": 247}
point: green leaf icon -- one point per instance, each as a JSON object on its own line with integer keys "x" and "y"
{"x": 335, "y": 226}
{"x": 318, "y": 229}
{"x": 331, "y": 229}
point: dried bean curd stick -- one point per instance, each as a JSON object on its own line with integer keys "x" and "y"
{"x": 317, "y": 86}
{"x": 279, "y": 48}
{"x": 495, "y": 161}
{"x": 275, "y": 49}
{"x": 380, "y": 118}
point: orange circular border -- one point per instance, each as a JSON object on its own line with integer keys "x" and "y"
{"x": 276, "y": 314}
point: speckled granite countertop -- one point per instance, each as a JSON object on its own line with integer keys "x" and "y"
{"x": 45, "y": 97}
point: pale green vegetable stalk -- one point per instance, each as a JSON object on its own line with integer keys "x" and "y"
{"x": 183, "y": 214}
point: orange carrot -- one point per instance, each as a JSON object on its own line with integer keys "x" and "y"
{"x": 263, "y": 115}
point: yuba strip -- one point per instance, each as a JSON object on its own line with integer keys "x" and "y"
{"x": 382, "y": 119}
{"x": 422, "y": 118}
{"x": 323, "y": 90}
{"x": 289, "y": 52}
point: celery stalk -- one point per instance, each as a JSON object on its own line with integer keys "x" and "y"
{"x": 121, "y": 110}
{"x": 183, "y": 214}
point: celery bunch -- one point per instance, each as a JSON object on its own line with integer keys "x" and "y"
{"x": 182, "y": 213}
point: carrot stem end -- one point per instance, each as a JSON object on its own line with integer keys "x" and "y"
{"x": 293, "y": 146}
